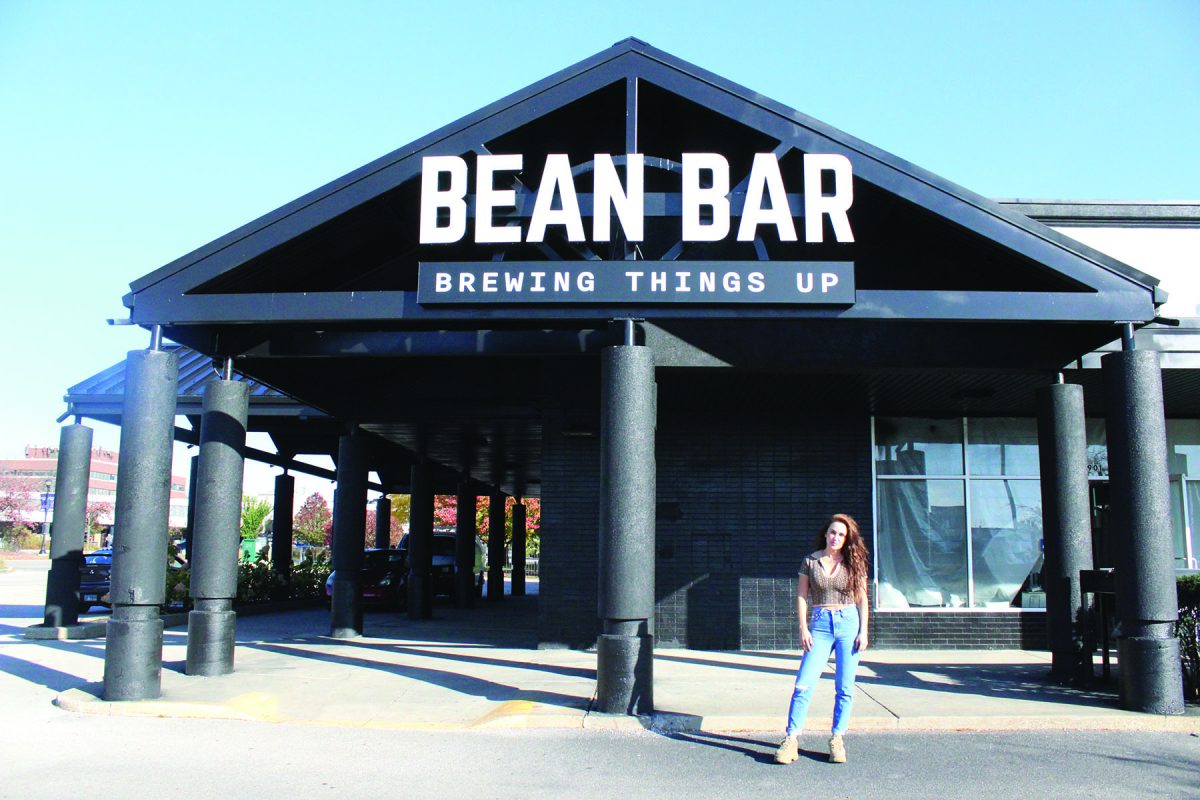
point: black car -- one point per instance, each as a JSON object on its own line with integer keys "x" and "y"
{"x": 383, "y": 578}
{"x": 94, "y": 577}
{"x": 442, "y": 567}
{"x": 96, "y": 574}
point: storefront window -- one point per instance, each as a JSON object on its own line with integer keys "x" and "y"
{"x": 1006, "y": 539}
{"x": 934, "y": 548}
{"x": 918, "y": 446}
{"x": 922, "y": 547}
{"x": 1186, "y": 556}
{"x": 1183, "y": 447}
{"x": 1002, "y": 446}
{"x": 1097, "y": 448}
{"x": 1183, "y": 462}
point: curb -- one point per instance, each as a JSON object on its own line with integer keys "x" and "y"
{"x": 83, "y": 630}
{"x": 81, "y": 701}
{"x": 91, "y": 630}
{"x": 523, "y": 715}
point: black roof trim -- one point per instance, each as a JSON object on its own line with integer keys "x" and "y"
{"x": 1109, "y": 213}
{"x": 1010, "y": 218}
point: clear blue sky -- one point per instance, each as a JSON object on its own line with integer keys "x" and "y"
{"x": 133, "y": 132}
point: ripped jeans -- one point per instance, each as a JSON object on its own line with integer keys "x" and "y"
{"x": 833, "y": 630}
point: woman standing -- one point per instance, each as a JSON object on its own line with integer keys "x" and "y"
{"x": 833, "y": 581}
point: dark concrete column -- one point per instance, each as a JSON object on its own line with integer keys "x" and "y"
{"x": 625, "y": 651}
{"x": 1066, "y": 526}
{"x": 420, "y": 544}
{"x": 193, "y": 479}
{"x": 518, "y": 549}
{"x": 133, "y": 646}
{"x": 495, "y": 547}
{"x": 349, "y": 537}
{"x": 464, "y": 546}
{"x": 212, "y": 623}
{"x": 1148, "y": 651}
{"x": 281, "y": 536}
{"x": 70, "y": 524}
{"x": 383, "y": 523}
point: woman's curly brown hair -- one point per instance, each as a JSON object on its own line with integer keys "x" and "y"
{"x": 854, "y": 552}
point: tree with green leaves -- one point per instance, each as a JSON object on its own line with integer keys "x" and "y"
{"x": 254, "y": 511}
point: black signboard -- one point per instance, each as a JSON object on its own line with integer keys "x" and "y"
{"x": 636, "y": 282}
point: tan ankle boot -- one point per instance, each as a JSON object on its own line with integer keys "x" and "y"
{"x": 789, "y": 750}
{"x": 837, "y": 749}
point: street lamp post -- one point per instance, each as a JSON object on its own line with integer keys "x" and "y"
{"x": 45, "y": 517}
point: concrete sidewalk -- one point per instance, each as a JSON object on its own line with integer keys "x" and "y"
{"x": 480, "y": 669}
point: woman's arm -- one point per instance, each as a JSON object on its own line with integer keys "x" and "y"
{"x": 802, "y": 612}
{"x": 860, "y": 642}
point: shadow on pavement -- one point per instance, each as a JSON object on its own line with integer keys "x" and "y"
{"x": 467, "y": 684}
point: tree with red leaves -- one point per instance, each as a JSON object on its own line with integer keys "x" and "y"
{"x": 313, "y": 521}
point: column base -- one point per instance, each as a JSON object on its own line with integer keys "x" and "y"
{"x": 1151, "y": 675}
{"x": 133, "y": 654}
{"x": 210, "y": 640}
{"x": 625, "y": 674}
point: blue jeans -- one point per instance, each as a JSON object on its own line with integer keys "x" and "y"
{"x": 833, "y": 630}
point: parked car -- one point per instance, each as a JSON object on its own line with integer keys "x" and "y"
{"x": 443, "y": 561}
{"x": 383, "y": 578}
{"x": 94, "y": 578}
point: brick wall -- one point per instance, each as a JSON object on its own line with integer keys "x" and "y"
{"x": 567, "y": 571}
{"x": 947, "y": 630}
{"x": 741, "y": 499}
{"x": 746, "y": 475}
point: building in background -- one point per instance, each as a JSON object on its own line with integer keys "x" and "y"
{"x": 41, "y": 463}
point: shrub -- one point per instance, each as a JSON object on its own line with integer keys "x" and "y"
{"x": 1187, "y": 588}
{"x": 308, "y": 578}
{"x": 1188, "y": 631}
{"x": 254, "y": 579}
{"x": 20, "y": 537}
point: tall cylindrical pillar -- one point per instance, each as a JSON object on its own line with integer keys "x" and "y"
{"x": 1066, "y": 526}
{"x": 518, "y": 549}
{"x": 383, "y": 523}
{"x": 281, "y": 536}
{"x": 212, "y": 623}
{"x": 625, "y": 651}
{"x": 420, "y": 544}
{"x": 464, "y": 546}
{"x": 133, "y": 647}
{"x": 69, "y": 526}
{"x": 349, "y": 537}
{"x": 1148, "y": 651}
{"x": 495, "y": 548}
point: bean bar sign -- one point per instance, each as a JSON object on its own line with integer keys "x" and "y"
{"x": 637, "y": 282}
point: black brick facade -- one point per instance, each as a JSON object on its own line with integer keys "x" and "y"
{"x": 948, "y": 630}
{"x": 745, "y": 479}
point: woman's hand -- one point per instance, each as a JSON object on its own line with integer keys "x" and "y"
{"x": 860, "y": 642}
{"x": 805, "y": 639}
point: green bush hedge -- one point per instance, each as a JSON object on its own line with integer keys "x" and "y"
{"x": 1188, "y": 589}
{"x": 1187, "y": 629}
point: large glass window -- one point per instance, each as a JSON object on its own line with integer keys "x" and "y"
{"x": 922, "y": 547}
{"x": 1183, "y": 462}
{"x": 1097, "y": 448}
{"x": 955, "y": 542}
{"x": 1003, "y": 446}
{"x": 1006, "y": 538}
{"x": 905, "y": 446}
{"x": 1187, "y": 554}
